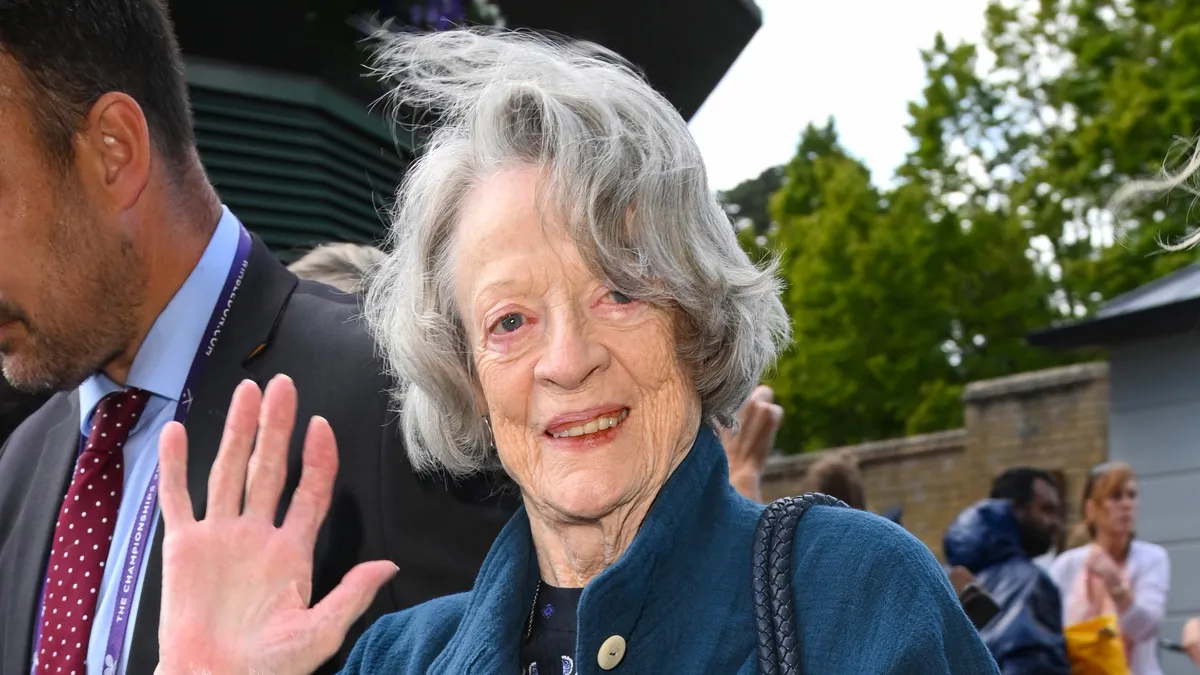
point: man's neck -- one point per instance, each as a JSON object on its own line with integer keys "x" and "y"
{"x": 171, "y": 244}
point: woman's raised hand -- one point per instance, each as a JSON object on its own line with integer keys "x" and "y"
{"x": 1100, "y": 563}
{"x": 236, "y": 588}
{"x": 749, "y": 448}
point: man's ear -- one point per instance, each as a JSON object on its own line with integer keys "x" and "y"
{"x": 114, "y": 150}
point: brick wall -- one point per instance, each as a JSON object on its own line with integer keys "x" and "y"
{"x": 1055, "y": 419}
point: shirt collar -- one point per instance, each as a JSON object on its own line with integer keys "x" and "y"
{"x": 165, "y": 357}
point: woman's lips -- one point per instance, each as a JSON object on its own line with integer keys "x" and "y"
{"x": 577, "y": 418}
{"x": 589, "y": 426}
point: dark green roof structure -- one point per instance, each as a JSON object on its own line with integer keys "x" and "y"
{"x": 299, "y": 162}
{"x": 283, "y": 107}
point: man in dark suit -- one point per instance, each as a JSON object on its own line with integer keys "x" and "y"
{"x": 125, "y": 282}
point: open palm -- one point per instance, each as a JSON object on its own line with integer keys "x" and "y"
{"x": 236, "y": 588}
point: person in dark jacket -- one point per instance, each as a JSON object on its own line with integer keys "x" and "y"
{"x": 996, "y": 540}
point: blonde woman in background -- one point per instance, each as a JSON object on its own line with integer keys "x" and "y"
{"x": 1116, "y": 573}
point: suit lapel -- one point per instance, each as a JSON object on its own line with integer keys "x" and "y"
{"x": 256, "y": 310}
{"x": 23, "y": 559}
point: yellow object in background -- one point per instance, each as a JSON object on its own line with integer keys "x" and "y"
{"x": 1095, "y": 647}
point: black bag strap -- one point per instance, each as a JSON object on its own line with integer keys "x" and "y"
{"x": 775, "y": 617}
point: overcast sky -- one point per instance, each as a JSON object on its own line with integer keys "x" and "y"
{"x": 856, "y": 60}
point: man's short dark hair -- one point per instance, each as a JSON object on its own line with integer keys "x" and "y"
{"x": 1016, "y": 484}
{"x": 72, "y": 52}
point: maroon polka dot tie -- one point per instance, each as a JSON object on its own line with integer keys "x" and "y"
{"x": 83, "y": 535}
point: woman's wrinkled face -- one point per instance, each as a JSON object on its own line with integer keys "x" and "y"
{"x": 589, "y": 405}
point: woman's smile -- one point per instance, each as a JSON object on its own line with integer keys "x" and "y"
{"x": 587, "y": 428}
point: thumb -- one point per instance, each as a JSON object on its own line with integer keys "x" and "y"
{"x": 336, "y": 612}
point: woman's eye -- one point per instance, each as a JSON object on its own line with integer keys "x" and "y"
{"x": 509, "y": 323}
{"x": 620, "y": 298}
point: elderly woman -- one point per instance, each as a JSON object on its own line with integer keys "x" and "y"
{"x": 1116, "y": 573}
{"x": 565, "y": 302}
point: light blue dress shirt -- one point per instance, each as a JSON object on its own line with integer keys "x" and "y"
{"x": 160, "y": 367}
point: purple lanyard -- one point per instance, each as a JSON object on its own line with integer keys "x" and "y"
{"x": 135, "y": 553}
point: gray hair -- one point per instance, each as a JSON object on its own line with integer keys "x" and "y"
{"x": 343, "y": 266}
{"x": 623, "y": 174}
{"x": 1164, "y": 183}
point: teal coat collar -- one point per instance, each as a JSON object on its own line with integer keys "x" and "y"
{"x": 623, "y": 599}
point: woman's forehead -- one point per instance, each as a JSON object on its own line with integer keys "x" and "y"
{"x": 503, "y": 236}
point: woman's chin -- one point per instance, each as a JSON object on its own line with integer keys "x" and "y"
{"x": 585, "y": 500}
{"x": 573, "y": 508}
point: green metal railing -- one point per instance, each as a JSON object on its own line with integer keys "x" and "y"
{"x": 298, "y": 162}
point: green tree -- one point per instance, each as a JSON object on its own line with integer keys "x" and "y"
{"x": 1077, "y": 98}
{"x": 997, "y": 224}
{"x": 748, "y": 202}
{"x": 896, "y": 303}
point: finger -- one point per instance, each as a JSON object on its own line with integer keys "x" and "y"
{"x": 774, "y": 421}
{"x": 227, "y": 481}
{"x": 311, "y": 500}
{"x": 334, "y": 614}
{"x": 268, "y": 464}
{"x": 763, "y": 442}
{"x": 172, "y": 477}
{"x": 763, "y": 394}
{"x": 754, "y": 424}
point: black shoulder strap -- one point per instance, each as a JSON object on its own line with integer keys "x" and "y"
{"x": 778, "y": 641}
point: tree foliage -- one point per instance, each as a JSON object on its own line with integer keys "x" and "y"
{"x": 1077, "y": 98}
{"x": 997, "y": 222}
{"x": 748, "y": 202}
{"x": 887, "y": 302}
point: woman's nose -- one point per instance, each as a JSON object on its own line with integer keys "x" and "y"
{"x": 572, "y": 354}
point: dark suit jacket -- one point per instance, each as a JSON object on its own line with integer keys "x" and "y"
{"x": 437, "y": 533}
{"x": 15, "y": 406}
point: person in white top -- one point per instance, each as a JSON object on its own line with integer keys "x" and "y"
{"x": 1116, "y": 573}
